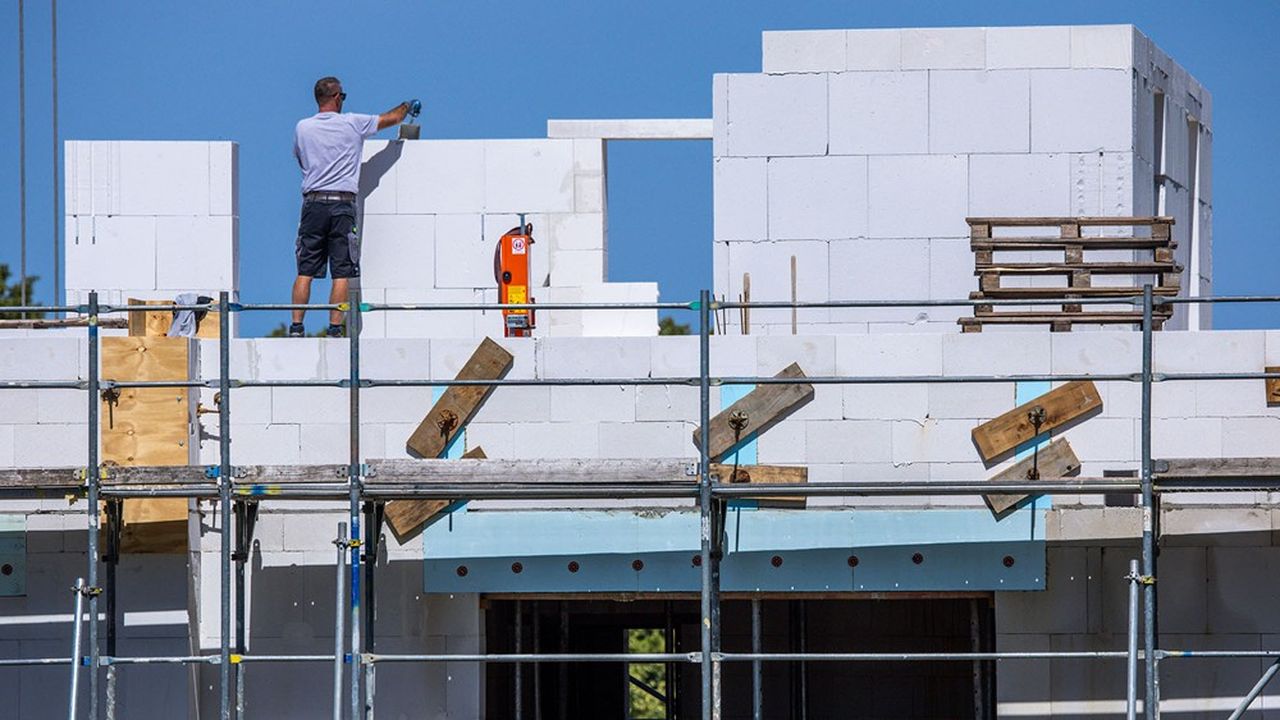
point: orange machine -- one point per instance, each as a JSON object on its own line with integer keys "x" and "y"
{"x": 511, "y": 270}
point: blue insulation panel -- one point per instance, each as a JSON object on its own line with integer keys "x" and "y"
{"x": 767, "y": 550}
{"x": 458, "y": 444}
{"x": 13, "y": 555}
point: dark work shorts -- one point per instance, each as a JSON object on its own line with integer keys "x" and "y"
{"x": 327, "y": 233}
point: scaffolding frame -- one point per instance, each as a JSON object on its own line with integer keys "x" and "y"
{"x": 237, "y": 502}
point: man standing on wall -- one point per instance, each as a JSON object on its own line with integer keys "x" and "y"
{"x": 328, "y": 146}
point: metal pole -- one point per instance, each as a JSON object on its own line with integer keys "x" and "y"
{"x": 1152, "y": 709}
{"x": 1255, "y": 692}
{"x": 57, "y": 178}
{"x": 370, "y": 686}
{"x": 757, "y": 697}
{"x": 338, "y": 618}
{"x": 111, "y": 692}
{"x": 353, "y": 343}
{"x": 1131, "y": 664}
{"x": 537, "y": 669}
{"x": 519, "y": 669}
{"x": 92, "y": 476}
{"x": 224, "y": 502}
{"x": 242, "y": 555}
{"x": 704, "y": 496}
{"x": 76, "y": 620}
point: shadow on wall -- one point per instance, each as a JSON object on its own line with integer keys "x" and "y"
{"x": 373, "y": 169}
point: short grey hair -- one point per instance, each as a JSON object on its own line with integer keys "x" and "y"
{"x": 327, "y": 87}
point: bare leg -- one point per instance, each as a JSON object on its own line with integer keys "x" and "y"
{"x": 301, "y": 295}
{"x": 338, "y": 295}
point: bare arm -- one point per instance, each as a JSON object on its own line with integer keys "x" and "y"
{"x": 394, "y": 116}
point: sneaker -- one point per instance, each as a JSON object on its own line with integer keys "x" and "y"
{"x": 335, "y": 331}
{"x": 297, "y": 330}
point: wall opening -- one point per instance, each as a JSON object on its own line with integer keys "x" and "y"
{"x": 659, "y": 218}
{"x": 789, "y": 690}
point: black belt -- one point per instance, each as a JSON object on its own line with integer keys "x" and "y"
{"x": 326, "y": 196}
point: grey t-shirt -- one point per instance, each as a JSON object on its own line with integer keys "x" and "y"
{"x": 328, "y": 145}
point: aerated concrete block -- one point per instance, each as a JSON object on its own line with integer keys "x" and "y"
{"x": 770, "y": 267}
{"x": 594, "y": 357}
{"x": 557, "y": 440}
{"x": 816, "y": 355}
{"x": 879, "y": 113}
{"x": 224, "y": 178}
{"x": 858, "y": 273}
{"x": 646, "y": 440}
{"x": 776, "y": 115}
{"x": 933, "y": 441}
{"x": 518, "y": 404}
{"x": 497, "y": 439}
{"x": 19, "y": 407}
{"x": 528, "y": 175}
{"x": 378, "y": 175}
{"x": 111, "y": 252}
{"x": 943, "y": 48}
{"x": 6, "y": 446}
{"x": 1062, "y": 608}
{"x": 196, "y": 253}
{"x": 577, "y": 267}
{"x": 978, "y": 111}
{"x": 260, "y": 445}
{"x": 1081, "y": 110}
{"x": 439, "y": 176}
{"x": 1100, "y": 353}
{"x": 817, "y": 198}
{"x": 1003, "y": 185}
{"x": 330, "y": 442}
{"x": 950, "y": 274}
{"x": 669, "y": 403}
{"x": 847, "y": 441}
{"x": 886, "y": 402}
{"x": 1187, "y": 437}
{"x": 298, "y": 405}
{"x": 588, "y": 157}
{"x": 871, "y": 355}
{"x": 50, "y": 445}
{"x": 398, "y": 251}
{"x": 1248, "y": 436}
{"x": 1232, "y": 399}
{"x": 623, "y": 322}
{"x": 436, "y": 323}
{"x": 1218, "y": 351}
{"x": 803, "y": 51}
{"x": 996, "y": 353}
{"x": 1028, "y": 47}
{"x": 588, "y": 194}
{"x": 1103, "y": 46}
{"x": 719, "y": 115}
{"x": 1104, "y": 439}
{"x": 405, "y": 359}
{"x": 40, "y": 358}
{"x": 918, "y": 196}
{"x": 740, "y": 199}
{"x": 782, "y": 444}
{"x": 158, "y": 178}
{"x": 394, "y": 405}
{"x": 971, "y": 401}
{"x": 873, "y": 49}
{"x": 573, "y": 231}
{"x": 463, "y": 256}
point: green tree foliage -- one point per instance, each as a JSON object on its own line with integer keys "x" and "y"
{"x": 668, "y": 326}
{"x": 642, "y": 705}
{"x": 11, "y": 294}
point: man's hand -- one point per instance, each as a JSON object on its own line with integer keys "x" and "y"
{"x": 415, "y": 107}
{"x": 396, "y": 115}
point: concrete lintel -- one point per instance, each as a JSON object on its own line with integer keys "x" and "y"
{"x": 636, "y": 129}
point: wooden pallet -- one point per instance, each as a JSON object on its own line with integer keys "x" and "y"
{"x": 1076, "y": 271}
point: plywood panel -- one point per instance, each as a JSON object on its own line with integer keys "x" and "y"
{"x": 155, "y": 323}
{"x": 148, "y": 426}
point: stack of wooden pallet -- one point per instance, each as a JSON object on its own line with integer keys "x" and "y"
{"x": 1145, "y": 234}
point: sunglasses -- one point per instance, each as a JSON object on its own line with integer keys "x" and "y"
{"x": 342, "y": 96}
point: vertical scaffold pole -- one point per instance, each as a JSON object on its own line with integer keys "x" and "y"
{"x": 704, "y": 494}
{"x": 338, "y": 615}
{"x": 353, "y": 473}
{"x": 1131, "y": 662}
{"x": 224, "y": 503}
{"x": 77, "y": 620}
{"x": 1152, "y": 705}
{"x": 92, "y": 473}
{"x": 757, "y": 675}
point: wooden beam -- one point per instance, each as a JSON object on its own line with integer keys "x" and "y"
{"x": 767, "y": 474}
{"x": 1217, "y": 468}
{"x": 1273, "y": 386}
{"x": 459, "y": 403}
{"x": 408, "y": 517}
{"x": 155, "y": 323}
{"x": 1061, "y": 405}
{"x": 1056, "y": 460}
{"x": 763, "y": 407}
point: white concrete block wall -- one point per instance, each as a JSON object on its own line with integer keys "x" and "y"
{"x": 950, "y": 122}
{"x": 150, "y": 219}
{"x": 434, "y": 211}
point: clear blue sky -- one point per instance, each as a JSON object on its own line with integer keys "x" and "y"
{"x": 243, "y": 71}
